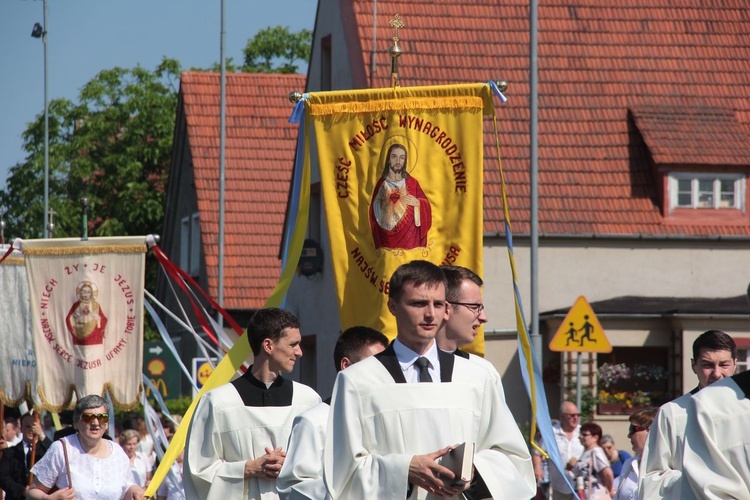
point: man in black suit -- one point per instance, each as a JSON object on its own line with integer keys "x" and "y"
{"x": 14, "y": 465}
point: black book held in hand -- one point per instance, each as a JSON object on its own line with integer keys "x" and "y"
{"x": 460, "y": 461}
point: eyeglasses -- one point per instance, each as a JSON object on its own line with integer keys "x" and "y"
{"x": 586, "y": 434}
{"x": 474, "y": 307}
{"x": 103, "y": 418}
{"x": 635, "y": 428}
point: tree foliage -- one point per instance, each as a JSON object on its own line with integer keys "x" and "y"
{"x": 277, "y": 50}
{"x": 113, "y": 147}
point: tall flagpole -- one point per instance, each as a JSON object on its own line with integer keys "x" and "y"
{"x": 47, "y": 230}
{"x": 536, "y": 337}
{"x": 222, "y": 151}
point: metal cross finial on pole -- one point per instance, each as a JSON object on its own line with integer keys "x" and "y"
{"x": 395, "y": 50}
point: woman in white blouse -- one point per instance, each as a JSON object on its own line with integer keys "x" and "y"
{"x": 140, "y": 465}
{"x": 626, "y": 485}
{"x": 83, "y": 465}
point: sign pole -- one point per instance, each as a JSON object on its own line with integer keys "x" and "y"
{"x": 578, "y": 381}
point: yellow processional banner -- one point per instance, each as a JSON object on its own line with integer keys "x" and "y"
{"x": 86, "y": 302}
{"x": 401, "y": 172}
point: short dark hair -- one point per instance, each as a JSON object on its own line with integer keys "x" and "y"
{"x": 268, "y": 323}
{"x": 593, "y": 428}
{"x": 352, "y": 340}
{"x": 644, "y": 417}
{"x": 454, "y": 277}
{"x": 416, "y": 272}
{"x": 87, "y": 403}
{"x": 714, "y": 340}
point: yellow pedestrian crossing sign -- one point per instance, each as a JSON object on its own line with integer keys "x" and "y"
{"x": 580, "y": 331}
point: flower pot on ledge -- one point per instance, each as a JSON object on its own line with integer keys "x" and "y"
{"x": 617, "y": 409}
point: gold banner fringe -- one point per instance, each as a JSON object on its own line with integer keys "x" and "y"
{"x": 120, "y": 405}
{"x": 14, "y": 261}
{"x": 396, "y": 104}
{"x": 86, "y": 250}
{"x": 13, "y": 403}
{"x": 46, "y": 405}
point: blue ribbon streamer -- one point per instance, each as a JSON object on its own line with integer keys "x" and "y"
{"x": 496, "y": 91}
{"x": 544, "y": 422}
{"x": 298, "y": 114}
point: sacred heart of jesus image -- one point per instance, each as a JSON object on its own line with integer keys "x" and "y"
{"x": 86, "y": 321}
{"x": 400, "y": 213}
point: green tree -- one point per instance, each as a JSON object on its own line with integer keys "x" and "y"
{"x": 276, "y": 50}
{"x": 114, "y": 147}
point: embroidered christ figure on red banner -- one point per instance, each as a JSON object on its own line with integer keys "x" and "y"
{"x": 400, "y": 213}
{"x": 85, "y": 321}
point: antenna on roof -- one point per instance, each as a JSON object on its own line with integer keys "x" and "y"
{"x": 395, "y": 50}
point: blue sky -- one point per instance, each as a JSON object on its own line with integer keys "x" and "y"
{"x": 87, "y": 36}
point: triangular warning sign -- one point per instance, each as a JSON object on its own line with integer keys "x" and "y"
{"x": 580, "y": 331}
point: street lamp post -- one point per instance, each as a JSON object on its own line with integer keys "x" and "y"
{"x": 40, "y": 31}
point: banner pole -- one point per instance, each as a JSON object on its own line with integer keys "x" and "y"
{"x": 395, "y": 50}
{"x": 85, "y": 219}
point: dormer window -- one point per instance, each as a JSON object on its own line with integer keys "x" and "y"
{"x": 706, "y": 191}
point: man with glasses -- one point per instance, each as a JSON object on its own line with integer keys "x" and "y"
{"x": 568, "y": 439}
{"x": 466, "y": 313}
{"x": 714, "y": 358}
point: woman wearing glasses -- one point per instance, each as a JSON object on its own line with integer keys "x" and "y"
{"x": 627, "y": 484}
{"x": 593, "y": 465}
{"x": 84, "y": 465}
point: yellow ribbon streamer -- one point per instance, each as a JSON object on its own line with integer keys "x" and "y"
{"x": 240, "y": 351}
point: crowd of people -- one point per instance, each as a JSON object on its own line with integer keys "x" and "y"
{"x": 397, "y": 408}
{"x": 398, "y": 412}
{"x": 694, "y": 447}
{"x": 80, "y": 460}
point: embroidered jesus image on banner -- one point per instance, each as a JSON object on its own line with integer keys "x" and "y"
{"x": 86, "y": 306}
{"x": 400, "y": 213}
{"x": 86, "y": 321}
{"x": 401, "y": 174}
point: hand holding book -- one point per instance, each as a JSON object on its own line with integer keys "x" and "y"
{"x": 460, "y": 461}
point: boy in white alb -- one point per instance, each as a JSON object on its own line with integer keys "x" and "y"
{"x": 235, "y": 444}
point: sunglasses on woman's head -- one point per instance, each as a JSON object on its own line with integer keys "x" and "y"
{"x": 103, "y": 418}
{"x": 635, "y": 428}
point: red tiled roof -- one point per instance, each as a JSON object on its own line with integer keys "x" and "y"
{"x": 687, "y": 136}
{"x": 596, "y": 61}
{"x": 260, "y": 147}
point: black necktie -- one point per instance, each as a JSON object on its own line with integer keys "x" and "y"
{"x": 424, "y": 373}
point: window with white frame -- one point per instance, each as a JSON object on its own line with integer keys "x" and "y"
{"x": 190, "y": 244}
{"x": 706, "y": 191}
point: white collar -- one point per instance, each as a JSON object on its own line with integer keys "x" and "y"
{"x": 406, "y": 357}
